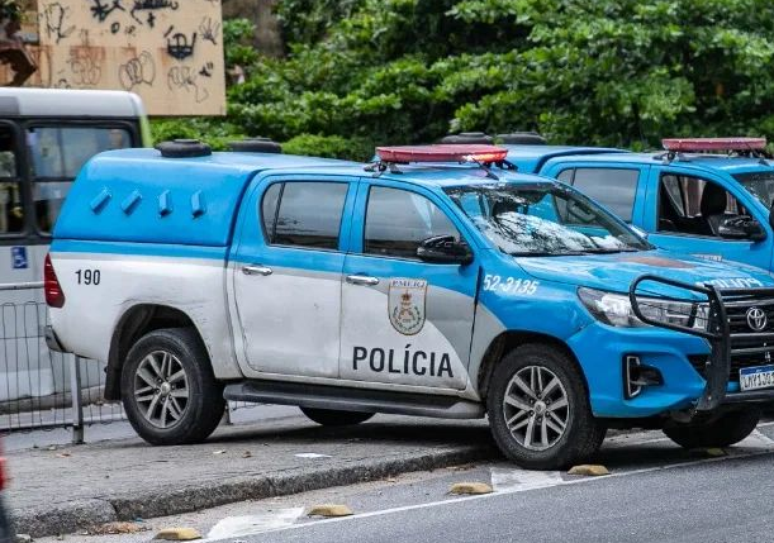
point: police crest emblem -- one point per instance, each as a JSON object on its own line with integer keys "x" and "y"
{"x": 406, "y": 305}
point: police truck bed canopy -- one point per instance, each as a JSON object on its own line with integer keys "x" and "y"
{"x": 138, "y": 196}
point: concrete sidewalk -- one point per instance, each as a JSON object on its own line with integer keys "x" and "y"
{"x": 73, "y": 487}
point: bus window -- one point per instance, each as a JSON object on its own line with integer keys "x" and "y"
{"x": 57, "y": 155}
{"x": 11, "y": 210}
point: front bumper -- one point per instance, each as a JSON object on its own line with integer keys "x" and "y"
{"x": 727, "y": 346}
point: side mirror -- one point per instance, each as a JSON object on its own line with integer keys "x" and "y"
{"x": 741, "y": 228}
{"x": 445, "y": 250}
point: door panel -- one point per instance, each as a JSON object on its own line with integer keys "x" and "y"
{"x": 404, "y": 321}
{"x": 288, "y": 296}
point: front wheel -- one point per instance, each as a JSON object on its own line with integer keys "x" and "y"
{"x": 723, "y": 431}
{"x": 169, "y": 392}
{"x": 539, "y": 413}
{"x": 332, "y": 417}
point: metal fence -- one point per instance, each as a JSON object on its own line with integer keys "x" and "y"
{"x": 41, "y": 389}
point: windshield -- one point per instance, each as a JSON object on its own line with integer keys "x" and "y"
{"x": 760, "y": 184}
{"x": 543, "y": 219}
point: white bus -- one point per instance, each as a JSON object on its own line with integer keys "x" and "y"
{"x": 46, "y": 135}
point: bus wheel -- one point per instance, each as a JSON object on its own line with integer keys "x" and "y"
{"x": 169, "y": 392}
{"x": 539, "y": 413}
{"x": 724, "y": 431}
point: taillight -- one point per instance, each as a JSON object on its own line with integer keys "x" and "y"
{"x": 54, "y": 295}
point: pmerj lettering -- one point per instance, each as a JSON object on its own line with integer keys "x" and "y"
{"x": 406, "y": 362}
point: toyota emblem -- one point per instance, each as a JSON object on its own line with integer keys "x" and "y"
{"x": 756, "y": 319}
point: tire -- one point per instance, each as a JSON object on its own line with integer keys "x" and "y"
{"x": 332, "y": 417}
{"x": 724, "y": 431}
{"x": 561, "y": 447}
{"x": 174, "y": 419}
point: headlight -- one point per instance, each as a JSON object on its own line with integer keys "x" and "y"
{"x": 616, "y": 310}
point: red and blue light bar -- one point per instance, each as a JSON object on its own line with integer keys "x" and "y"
{"x": 700, "y": 145}
{"x": 476, "y": 153}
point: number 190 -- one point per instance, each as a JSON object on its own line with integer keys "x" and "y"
{"x": 88, "y": 277}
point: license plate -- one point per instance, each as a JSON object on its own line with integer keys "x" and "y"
{"x": 757, "y": 377}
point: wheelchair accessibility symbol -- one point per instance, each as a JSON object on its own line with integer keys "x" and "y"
{"x": 19, "y": 258}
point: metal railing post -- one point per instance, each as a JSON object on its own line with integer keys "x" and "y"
{"x": 75, "y": 391}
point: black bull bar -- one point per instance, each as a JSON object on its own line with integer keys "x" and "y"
{"x": 727, "y": 342}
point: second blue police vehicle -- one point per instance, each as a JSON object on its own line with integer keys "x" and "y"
{"x": 434, "y": 282}
{"x": 708, "y": 197}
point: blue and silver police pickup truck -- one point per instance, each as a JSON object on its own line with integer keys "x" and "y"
{"x": 706, "y": 197}
{"x": 434, "y": 282}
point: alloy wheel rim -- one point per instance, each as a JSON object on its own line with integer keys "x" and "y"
{"x": 536, "y": 408}
{"x": 161, "y": 389}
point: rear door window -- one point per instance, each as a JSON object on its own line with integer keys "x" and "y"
{"x": 308, "y": 215}
{"x": 615, "y": 188}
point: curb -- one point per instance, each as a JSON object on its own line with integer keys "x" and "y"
{"x": 45, "y": 521}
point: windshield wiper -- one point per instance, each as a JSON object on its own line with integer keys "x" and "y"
{"x": 602, "y": 251}
{"x": 547, "y": 253}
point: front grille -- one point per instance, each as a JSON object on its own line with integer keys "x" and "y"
{"x": 749, "y": 346}
{"x": 699, "y": 363}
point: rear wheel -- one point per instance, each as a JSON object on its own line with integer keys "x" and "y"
{"x": 724, "y": 431}
{"x": 539, "y": 413}
{"x": 168, "y": 389}
{"x": 332, "y": 417}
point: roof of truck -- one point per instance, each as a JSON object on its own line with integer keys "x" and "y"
{"x": 530, "y": 158}
{"x": 29, "y": 102}
{"x": 137, "y": 195}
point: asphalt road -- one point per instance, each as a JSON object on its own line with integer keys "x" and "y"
{"x": 656, "y": 492}
{"x": 701, "y": 503}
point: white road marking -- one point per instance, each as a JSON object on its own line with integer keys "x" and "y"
{"x": 753, "y": 446}
{"x": 264, "y": 521}
{"x": 312, "y": 455}
{"x": 637, "y": 438}
{"x": 508, "y": 480}
{"x": 759, "y": 438}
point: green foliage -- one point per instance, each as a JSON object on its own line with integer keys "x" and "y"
{"x": 215, "y": 132}
{"x": 237, "y": 42}
{"x": 607, "y": 72}
{"x": 329, "y": 147}
{"x": 10, "y": 10}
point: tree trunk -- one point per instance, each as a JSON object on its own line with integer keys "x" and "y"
{"x": 268, "y": 34}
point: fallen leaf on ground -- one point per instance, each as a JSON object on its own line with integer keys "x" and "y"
{"x": 590, "y": 470}
{"x": 329, "y": 510}
{"x": 178, "y": 534}
{"x": 470, "y": 488}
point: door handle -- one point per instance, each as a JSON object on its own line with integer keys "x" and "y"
{"x": 363, "y": 280}
{"x": 257, "y": 270}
